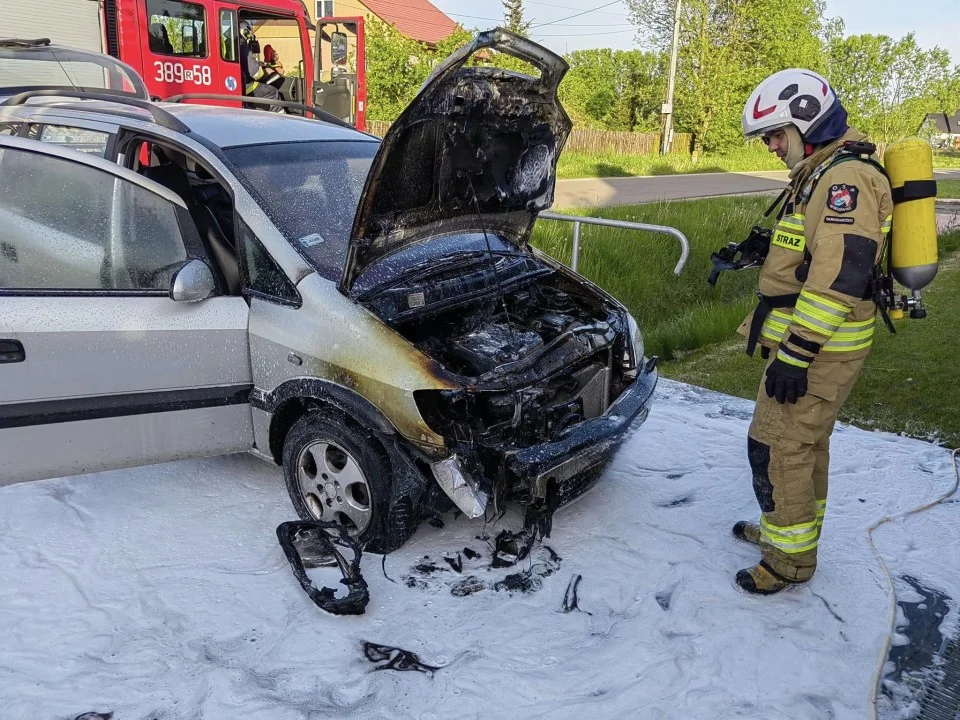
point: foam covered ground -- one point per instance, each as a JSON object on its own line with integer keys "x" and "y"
{"x": 161, "y": 592}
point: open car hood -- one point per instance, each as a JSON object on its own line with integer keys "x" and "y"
{"x": 476, "y": 151}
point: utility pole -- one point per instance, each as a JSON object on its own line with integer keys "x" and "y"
{"x": 667, "y": 138}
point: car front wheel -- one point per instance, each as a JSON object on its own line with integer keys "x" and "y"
{"x": 335, "y": 471}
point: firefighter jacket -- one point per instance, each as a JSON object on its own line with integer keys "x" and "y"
{"x": 815, "y": 295}
{"x": 250, "y": 67}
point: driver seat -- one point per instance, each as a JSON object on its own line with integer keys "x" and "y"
{"x": 224, "y": 254}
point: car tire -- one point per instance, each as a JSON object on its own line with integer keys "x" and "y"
{"x": 335, "y": 470}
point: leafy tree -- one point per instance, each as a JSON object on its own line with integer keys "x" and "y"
{"x": 888, "y": 86}
{"x": 614, "y": 89}
{"x": 397, "y": 66}
{"x": 727, "y": 47}
{"x": 513, "y": 17}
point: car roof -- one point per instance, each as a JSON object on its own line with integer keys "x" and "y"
{"x": 234, "y": 127}
{"x": 225, "y": 127}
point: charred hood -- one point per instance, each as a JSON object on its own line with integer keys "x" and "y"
{"x": 476, "y": 151}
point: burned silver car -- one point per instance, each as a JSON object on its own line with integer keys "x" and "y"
{"x": 369, "y": 315}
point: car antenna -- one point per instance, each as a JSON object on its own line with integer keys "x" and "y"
{"x": 493, "y": 263}
{"x": 62, "y": 67}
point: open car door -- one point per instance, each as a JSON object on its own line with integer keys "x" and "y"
{"x": 340, "y": 72}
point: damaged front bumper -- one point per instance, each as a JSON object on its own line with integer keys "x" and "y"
{"x": 559, "y": 471}
{"x": 572, "y": 463}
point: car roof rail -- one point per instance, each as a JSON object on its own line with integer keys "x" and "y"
{"x": 160, "y": 116}
{"x": 315, "y": 111}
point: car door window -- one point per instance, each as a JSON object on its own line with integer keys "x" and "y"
{"x": 89, "y": 141}
{"x": 67, "y": 226}
{"x": 262, "y": 276}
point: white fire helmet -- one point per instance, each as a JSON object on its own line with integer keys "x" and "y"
{"x": 797, "y": 97}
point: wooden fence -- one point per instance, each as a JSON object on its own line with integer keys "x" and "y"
{"x": 597, "y": 141}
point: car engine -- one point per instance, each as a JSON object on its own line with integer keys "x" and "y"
{"x": 537, "y": 352}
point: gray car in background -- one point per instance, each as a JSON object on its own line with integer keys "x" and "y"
{"x": 185, "y": 280}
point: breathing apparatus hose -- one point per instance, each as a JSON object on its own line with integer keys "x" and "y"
{"x": 892, "y": 621}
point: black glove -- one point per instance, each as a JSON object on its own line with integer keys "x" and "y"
{"x": 786, "y": 382}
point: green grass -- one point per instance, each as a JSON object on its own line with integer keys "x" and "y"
{"x": 749, "y": 158}
{"x": 909, "y": 381}
{"x": 948, "y": 189}
{"x": 677, "y": 313}
{"x": 583, "y": 165}
{"x": 946, "y": 159}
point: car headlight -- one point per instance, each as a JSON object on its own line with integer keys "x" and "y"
{"x": 636, "y": 340}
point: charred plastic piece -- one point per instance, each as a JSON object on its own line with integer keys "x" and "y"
{"x": 571, "y": 599}
{"x": 393, "y": 658}
{"x": 510, "y": 548}
{"x": 314, "y": 543}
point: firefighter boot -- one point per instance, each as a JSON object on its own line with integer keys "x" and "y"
{"x": 762, "y": 580}
{"x": 747, "y": 532}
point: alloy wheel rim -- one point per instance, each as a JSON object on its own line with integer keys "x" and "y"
{"x": 333, "y": 486}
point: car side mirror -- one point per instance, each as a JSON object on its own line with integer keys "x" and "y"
{"x": 192, "y": 282}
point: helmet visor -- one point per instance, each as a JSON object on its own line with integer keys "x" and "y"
{"x": 765, "y": 130}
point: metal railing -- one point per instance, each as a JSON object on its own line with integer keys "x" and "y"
{"x": 579, "y": 220}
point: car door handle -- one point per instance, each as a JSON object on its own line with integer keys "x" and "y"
{"x": 11, "y": 351}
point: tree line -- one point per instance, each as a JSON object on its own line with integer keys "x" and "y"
{"x": 726, "y": 48}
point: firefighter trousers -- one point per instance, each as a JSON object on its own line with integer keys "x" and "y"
{"x": 789, "y": 452}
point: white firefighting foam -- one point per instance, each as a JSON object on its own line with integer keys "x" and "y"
{"x": 161, "y": 592}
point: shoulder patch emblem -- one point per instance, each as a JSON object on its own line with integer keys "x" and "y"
{"x": 842, "y": 198}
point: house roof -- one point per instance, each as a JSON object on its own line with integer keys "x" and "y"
{"x": 417, "y": 19}
{"x": 947, "y": 124}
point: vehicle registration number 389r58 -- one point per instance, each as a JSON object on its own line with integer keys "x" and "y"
{"x": 176, "y": 72}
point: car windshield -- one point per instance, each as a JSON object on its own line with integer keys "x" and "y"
{"x": 27, "y": 68}
{"x": 311, "y": 191}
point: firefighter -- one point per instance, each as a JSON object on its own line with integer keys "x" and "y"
{"x": 816, "y": 315}
{"x": 252, "y": 70}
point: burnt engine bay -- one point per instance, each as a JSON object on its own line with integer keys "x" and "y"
{"x": 535, "y": 350}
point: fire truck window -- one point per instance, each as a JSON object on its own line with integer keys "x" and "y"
{"x": 338, "y": 48}
{"x": 177, "y": 28}
{"x": 228, "y": 36}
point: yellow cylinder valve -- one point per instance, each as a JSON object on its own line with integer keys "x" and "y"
{"x": 913, "y": 249}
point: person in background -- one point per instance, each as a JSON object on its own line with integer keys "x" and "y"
{"x": 253, "y": 72}
{"x": 273, "y": 67}
{"x": 271, "y": 59}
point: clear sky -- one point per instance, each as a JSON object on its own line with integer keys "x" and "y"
{"x": 935, "y": 22}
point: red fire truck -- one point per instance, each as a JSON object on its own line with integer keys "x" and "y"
{"x": 184, "y": 47}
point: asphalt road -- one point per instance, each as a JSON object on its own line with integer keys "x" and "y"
{"x": 604, "y": 192}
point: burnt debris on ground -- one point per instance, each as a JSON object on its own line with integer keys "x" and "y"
{"x": 571, "y": 598}
{"x": 510, "y": 547}
{"x": 456, "y": 563}
{"x": 313, "y": 543}
{"x": 466, "y": 572}
{"x": 393, "y": 658}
